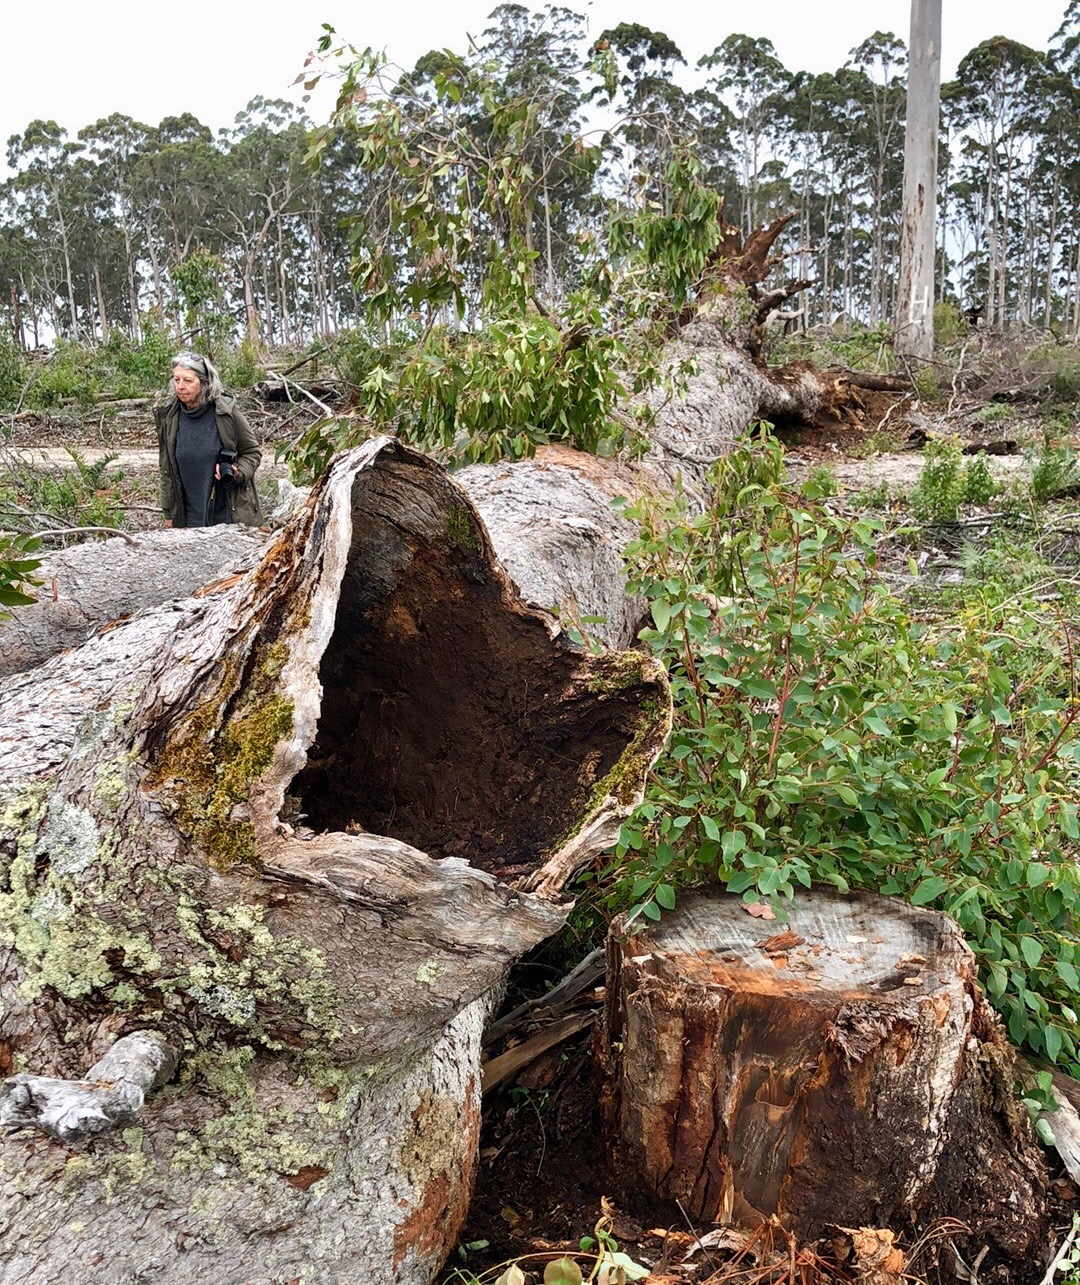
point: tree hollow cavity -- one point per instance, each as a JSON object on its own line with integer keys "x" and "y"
{"x": 450, "y": 718}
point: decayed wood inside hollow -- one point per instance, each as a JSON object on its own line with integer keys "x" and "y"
{"x": 807, "y": 1071}
{"x": 448, "y": 719}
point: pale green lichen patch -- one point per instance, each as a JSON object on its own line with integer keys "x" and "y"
{"x": 69, "y": 839}
{"x": 428, "y": 971}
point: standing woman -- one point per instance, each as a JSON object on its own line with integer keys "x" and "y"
{"x": 206, "y": 452}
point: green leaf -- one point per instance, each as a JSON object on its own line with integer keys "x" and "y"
{"x": 1052, "y": 1042}
{"x": 710, "y": 827}
{"x": 1068, "y": 974}
{"x": 1031, "y": 950}
{"x": 631, "y": 1271}
{"x": 929, "y": 890}
{"x": 1037, "y": 874}
{"x": 562, "y": 1271}
{"x": 733, "y": 842}
{"x": 665, "y": 896}
{"x": 661, "y": 614}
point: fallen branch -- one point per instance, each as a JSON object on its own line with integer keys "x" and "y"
{"x": 111, "y": 1093}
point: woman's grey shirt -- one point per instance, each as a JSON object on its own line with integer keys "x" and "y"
{"x": 197, "y": 448}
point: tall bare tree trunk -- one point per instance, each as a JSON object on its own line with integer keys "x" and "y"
{"x": 915, "y": 323}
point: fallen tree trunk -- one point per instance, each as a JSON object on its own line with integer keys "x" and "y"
{"x": 283, "y": 830}
{"x": 844, "y": 1069}
{"x": 94, "y": 583}
{"x": 551, "y": 518}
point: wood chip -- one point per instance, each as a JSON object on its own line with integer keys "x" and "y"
{"x": 759, "y": 910}
{"x": 913, "y": 981}
{"x": 781, "y": 942}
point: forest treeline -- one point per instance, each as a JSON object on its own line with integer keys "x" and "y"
{"x": 240, "y": 232}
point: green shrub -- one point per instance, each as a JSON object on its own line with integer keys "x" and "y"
{"x": 926, "y": 385}
{"x": 67, "y": 375}
{"x": 824, "y": 734}
{"x": 87, "y": 494}
{"x": 950, "y": 324}
{"x": 139, "y": 368}
{"x": 241, "y": 367}
{"x": 979, "y": 484}
{"x": 940, "y": 490}
{"x": 13, "y": 374}
{"x": 1055, "y": 471}
{"x": 993, "y": 413}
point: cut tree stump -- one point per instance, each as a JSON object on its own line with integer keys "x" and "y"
{"x": 842, "y": 1069}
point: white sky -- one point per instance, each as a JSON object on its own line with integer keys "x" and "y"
{"x": 74, "y": 62}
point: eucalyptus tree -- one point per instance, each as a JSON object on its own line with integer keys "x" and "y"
{"x": 655, "y": 117}
{"x": 539, "y": 58}
{"x": 44, "y": 188}
{"x": 747, "y": 73}
{"x": 265, "y": 185}
{"x": 994, "y": 101}
{"x": 882, "y": 58}
{"x": 115, "y": 144}
{"x": 918, "y": 234}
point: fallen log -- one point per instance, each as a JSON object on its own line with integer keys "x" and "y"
{"x": 285, "y": 829}
{"x": 92, "y": 584}
{"x": 843, "y": 1069}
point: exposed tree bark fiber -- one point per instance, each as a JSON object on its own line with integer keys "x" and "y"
{"x": 842, "y": 1069}
{"x": 268, "y": 823}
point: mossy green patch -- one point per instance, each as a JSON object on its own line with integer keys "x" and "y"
{"x": 461, "y": 529}
{"x": 212, "y": 759}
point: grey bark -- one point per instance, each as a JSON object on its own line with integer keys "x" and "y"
{"x": 915, "y": 324}
{"x": 91, "y": 584}
{"x": 175, "y": 853}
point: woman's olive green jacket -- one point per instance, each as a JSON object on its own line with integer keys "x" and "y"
{"x": 242, "y": 500}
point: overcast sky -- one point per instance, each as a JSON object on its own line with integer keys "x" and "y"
{"x": 74, "y": 62}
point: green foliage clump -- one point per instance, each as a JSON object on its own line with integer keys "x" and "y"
{"x": 854, "y": 346}
{"x": 950, "y": 324}
{"x": 241, "y": 367}
{"x": 199, "y": 282}
{"x": 13, "y": 374}
{"x": 88, "y": 494}
{"x": 1056, "y": 470}
{"x": 128, "y": 368}
{"x": 17, "y": 568}
{"x": 455, "y": 240}
{"x": 947, "y": 482}
{"x": 825, "y": 734}
{"x": 926, "y": 385}
{"x": 67, "y": 376}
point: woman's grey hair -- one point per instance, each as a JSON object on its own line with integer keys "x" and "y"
{"x": 212, "y": 387}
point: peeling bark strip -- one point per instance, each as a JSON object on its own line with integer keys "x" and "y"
{"x": 290, "y": 824}
{"x": 842, "y": 1070}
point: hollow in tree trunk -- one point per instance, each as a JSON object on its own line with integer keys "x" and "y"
{"x": 281, "y": 833}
